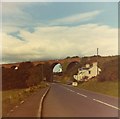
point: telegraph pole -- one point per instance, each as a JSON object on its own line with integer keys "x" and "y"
{"x": 97, "y": 51}
{"x": 97, "y": 59}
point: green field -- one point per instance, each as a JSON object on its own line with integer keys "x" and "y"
{"x": 106, "y": 87}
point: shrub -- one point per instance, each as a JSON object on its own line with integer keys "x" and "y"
{"x": 109, "y": 71}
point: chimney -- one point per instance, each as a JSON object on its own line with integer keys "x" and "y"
{"x": 87, "y": 66}
{"x": 94, "y": 63}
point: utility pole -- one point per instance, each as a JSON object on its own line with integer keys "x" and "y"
{"x": 97, "y": 59}
{"x": 97, "y": 51}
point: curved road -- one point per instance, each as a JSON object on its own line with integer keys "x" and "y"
{"x": 67, "y": 101}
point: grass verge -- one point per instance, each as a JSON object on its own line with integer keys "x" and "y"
{"x": 11, "y": 98}
{"x": 106, "y": 87}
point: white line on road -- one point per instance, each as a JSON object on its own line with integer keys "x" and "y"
{"x": 22, "y": 102}
{"x": 16, "y": 106}
{"x": 11, "y": 110}
{"x": 70, "y": 90}
{"x": 94, "y": 99}
{"x": 76, "y": 92}
{"x": 82, "y": 95}
{"x": 106, "y": 104}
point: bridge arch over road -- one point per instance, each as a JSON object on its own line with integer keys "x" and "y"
{"x": 66, "y": 64}
{"x": 47, "y": 66}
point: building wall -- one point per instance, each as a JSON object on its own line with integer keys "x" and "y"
{"x": 89, "y": 73}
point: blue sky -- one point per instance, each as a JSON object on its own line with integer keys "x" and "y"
{"x": 43, "y": 13}
{"x": 57, "y": 68}
{"x": 46, "y": 12}
{"x": 48, "y": 30}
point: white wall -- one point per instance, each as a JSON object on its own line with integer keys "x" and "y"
{"x": 93, "y": 72}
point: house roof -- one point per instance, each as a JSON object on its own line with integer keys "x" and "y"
{"x": 84, "y": 68}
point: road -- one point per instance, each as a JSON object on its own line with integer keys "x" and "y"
{"x": 68, "y": 101}
{"x": 30, "y": 107}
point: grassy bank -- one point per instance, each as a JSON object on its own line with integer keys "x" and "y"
{"x": 11, "y": 98}
{"x": 106, "y": 87}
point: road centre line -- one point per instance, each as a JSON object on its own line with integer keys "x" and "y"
{"x": 99, "y": 101}
{"x": 70, "y": 90}
{"x": 76, "y": 92}
{"x": 82, "y": 95}
{"x": 106, "y": 104}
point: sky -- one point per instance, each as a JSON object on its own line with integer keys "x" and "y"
{"x": 57, "y": 68}
{"x": 33, "y": 31}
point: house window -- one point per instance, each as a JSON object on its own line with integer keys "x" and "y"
{"x": 89, "y": 72}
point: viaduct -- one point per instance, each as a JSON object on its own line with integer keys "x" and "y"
{"x": 47, "y": 66}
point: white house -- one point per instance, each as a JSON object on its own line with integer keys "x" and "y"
{"x": 87, "y": 72}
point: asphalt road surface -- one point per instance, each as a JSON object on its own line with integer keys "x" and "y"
{"x": 30, "y": 107}
{"x": 68, "y": 101}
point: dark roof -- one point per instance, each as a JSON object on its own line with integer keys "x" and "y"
{"x": 84, "y": 68}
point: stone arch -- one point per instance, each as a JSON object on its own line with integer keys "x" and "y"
{"x": 72, "y": 64}
{"x": 54, "y": 64}
{"x": 13, "y": 67}
{"x": 51, "y": 70}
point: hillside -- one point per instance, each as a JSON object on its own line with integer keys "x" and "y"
{"x": 106, "y": 83}
{"x": 108, "y": 65}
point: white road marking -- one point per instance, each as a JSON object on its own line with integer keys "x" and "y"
{"x": 40, "y": 105}
{"x": 82, "y": 95}
{"x": 22, "y": 102}
{"x": 106, "y": 104}
{"x": 16, "y": 106}
{"x": 11, "y": 110}
{"x": 76, "y": 92}
{"x": 95, "y": 99}
{"x": 70, "y": 90}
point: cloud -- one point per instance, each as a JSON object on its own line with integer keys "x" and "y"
{"x": 12, "y": 8}
{"x": 77, "y": 18}
{"x": 14, "y": 16}
{"x": 59, "y": 42}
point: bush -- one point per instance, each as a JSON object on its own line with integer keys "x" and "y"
{"x": 35, "y": 76}
{"x": 12, "y": 78}
{"x": 109, "y": 71}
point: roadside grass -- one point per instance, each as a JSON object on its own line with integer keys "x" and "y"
{"x": 11, "y": 98}
{"x": 107, "y": 87}
{"x": 64, "y": 80}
